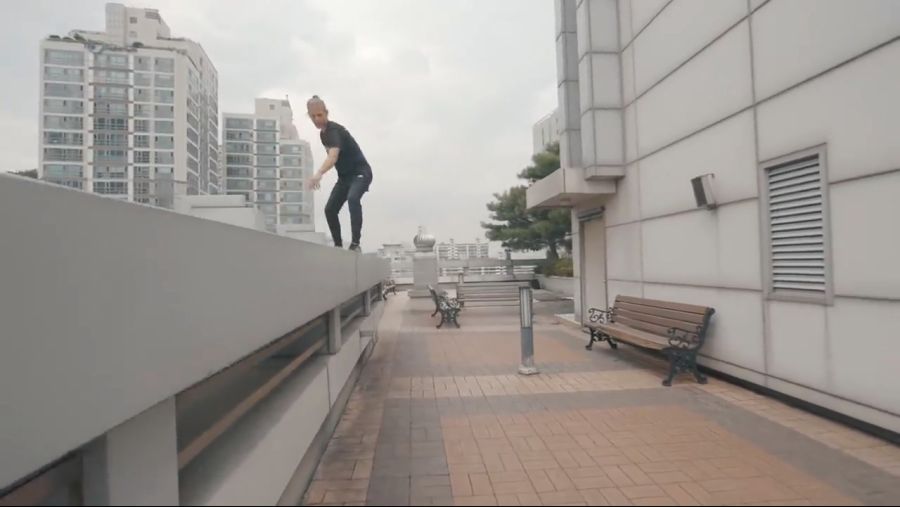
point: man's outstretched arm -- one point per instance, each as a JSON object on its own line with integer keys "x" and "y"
{"x": 327, "y": 164}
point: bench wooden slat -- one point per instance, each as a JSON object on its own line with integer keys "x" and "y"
{"x": 643, "y": 326}
{"x": 635, "y": 336}
{"x": 659, "y": 321}
{"x": 693, "y": 318}
{"x": 665, "y": 305}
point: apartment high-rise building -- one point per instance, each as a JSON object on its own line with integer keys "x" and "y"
{"x": 461, "y": 251}
{"x": 130, "y": 112}
{"x": 545, "y": 132}
{"x": 268, "y": 163}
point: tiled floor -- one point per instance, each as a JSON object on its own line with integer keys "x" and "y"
{"x": 440, "y": 417}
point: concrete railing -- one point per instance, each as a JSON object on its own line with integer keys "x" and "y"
{"x": 109, "y": 311}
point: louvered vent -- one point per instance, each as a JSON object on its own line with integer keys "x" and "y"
{"x": 797, "y": 246}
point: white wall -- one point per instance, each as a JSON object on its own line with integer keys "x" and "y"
{"x": 690, "y": 85}
{"x": 109, "y": 308}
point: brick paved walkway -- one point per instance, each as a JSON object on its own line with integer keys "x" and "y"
{"x": 441, "y": 418}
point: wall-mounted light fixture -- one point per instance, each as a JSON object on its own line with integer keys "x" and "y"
{"x": 703, "y": 191}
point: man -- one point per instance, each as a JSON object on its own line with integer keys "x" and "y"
{"x": 354, "y": 172}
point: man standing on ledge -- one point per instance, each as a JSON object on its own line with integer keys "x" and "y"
{"x": 354, "y": 172}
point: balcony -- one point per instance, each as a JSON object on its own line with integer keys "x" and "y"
{"x": 566, "y": 188}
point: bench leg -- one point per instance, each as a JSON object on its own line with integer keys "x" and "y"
{"x": 682, "y": 360}
{"x": 442, "y": 321}
{"x": 453, "y": 316}
{"x": 597, "y": 336}
{"x": 436, "y": 310}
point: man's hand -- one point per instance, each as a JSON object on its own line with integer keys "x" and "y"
{"x": 315, "y": 182}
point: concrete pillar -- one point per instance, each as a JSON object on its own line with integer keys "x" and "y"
{"x": 567, "y": 84}
{"x": 135, "y": 463}
{"x": 600, "y": 89}
{"x": 335, "y": 339}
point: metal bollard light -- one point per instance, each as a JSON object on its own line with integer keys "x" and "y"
{"x": 525, "y": 313}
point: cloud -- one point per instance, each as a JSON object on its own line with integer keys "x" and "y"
{"x": 441, "y": 95}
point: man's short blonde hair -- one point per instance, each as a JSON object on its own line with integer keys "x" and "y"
{"x": 314, "y": 101}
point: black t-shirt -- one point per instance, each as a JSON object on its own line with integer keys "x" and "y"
{"x": 351, "y": 161}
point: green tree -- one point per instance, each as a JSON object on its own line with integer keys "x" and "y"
{"x": 518, "y": 228}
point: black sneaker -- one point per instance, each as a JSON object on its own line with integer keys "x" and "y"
{"x": 355, "y": 248}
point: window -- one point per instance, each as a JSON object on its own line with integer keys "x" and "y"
{"x": 142, "y": 95}
{"x": 142, "y": 63}
{"x": 164, "y": 96}
{"x": 239, "y": 147}
{"x": 64, "y": 174}
{"x": 61, "y": 57}
{"x": 240, "y": 172}
{"x": 63, "y": 74}
{"x": 239, "y": 160}
{"x": 292, "y": 185}
{"x": 267, "y": 149}
{"x": 164, "y": 111}
{"x": 107, "y": 60}
{"x": 63, "y": 155}
{"x": 141, "y": 141}
{"x": 164, "y": 157}
{"x": 292, "y": 173}
{"x": 265, "y": 196}
{"x": 240, "y": 184}
{"x": 164, "y": 127}
{"x": 117, "y": 124}
{"x": 290, "y": 148}
{"x": 111, "y": 187}
{"x": 267, "y": 161}
{"x": 267, "y": 173}
{"x": 797, "y": 241}
{"x": 269, "y": 137}
{"x": 111, "y": 76}
{"x": 102, "y": 139}
{"x": 164, "y": 65}
{"x": 292, "y": 197}
{"x": 70, "y": 138}
{"x": 63, "y": 106}
{"x": 132, "y": 20}
{"x": 142, "y": 110}
{"x": 266, "y": 125}
{"x": 110, "y": 173}
{"x": 291, "y": 209}
{"x": 164, "y": 81}
{"x": 111, "y": 108}
{"x": 63, "y": 90}
{"x": 111, "y": 156}
{"x": 142, "y": 157}
{"x": 63, "y": 122}
{"x": 239, "y": 123}
{"x": 142, "y": 125}
{"x": 267, "y": 184}
{"x": 290, "y": 161}
{"x": 164, "y": 142}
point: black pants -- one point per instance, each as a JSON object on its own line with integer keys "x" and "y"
{"x": 352, "y": 190}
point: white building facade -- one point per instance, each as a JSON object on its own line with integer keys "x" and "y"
{"x": 545, "y": 132}
{"x": 791, "y": 106}
{"x": 131, "y": 113}
{"x": 461, "y": 251}
{"x": 268, "y": 163}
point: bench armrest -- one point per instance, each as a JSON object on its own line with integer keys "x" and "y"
{"x": 681, "y": 339}
{"x": 596, "y": 315}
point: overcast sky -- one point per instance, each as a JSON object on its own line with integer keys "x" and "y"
{"x": 441, "y": 95}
